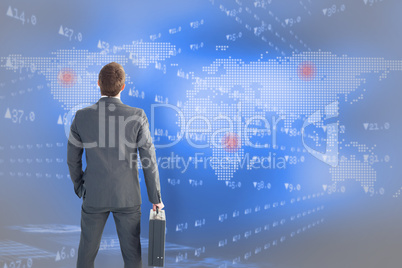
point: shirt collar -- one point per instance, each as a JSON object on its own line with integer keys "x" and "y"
{"x": 103, "y": 96}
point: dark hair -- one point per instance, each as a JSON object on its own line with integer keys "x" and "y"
{"x": 111, "y": 79}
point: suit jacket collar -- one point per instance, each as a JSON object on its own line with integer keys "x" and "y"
{"x": 110, "y": 100}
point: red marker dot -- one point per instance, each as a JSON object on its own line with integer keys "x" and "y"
{"x": 66, "y": 77}
{"x": 306, "y": 71}
{"x": 230, "y": 142}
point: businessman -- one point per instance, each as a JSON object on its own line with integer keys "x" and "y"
{"x": 112, "y": 133}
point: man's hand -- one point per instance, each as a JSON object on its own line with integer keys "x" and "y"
{"x": 160, "y": 206}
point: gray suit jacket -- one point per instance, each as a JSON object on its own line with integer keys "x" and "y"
{"x": 111, "y": 133}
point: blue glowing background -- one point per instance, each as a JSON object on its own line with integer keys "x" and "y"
{"x": 217, "y": 79}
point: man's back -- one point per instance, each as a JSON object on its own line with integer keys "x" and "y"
{"x": 111, "y": 132}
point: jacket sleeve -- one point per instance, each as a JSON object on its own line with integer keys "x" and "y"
{"x": 148, "y": 161}
{"x": 75, "y": 149}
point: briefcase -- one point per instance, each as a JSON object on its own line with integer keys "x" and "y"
{"x": 156, "y": 246}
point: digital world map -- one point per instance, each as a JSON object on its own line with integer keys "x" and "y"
{"x": 276, "y": 127}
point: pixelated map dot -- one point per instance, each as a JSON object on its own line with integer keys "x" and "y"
{"x": 230, "y": 142}
{"x": 67, "y": 77}
{"x": 306, "y": 71}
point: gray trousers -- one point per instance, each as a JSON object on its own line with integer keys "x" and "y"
{"x": 127, "y": 222}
